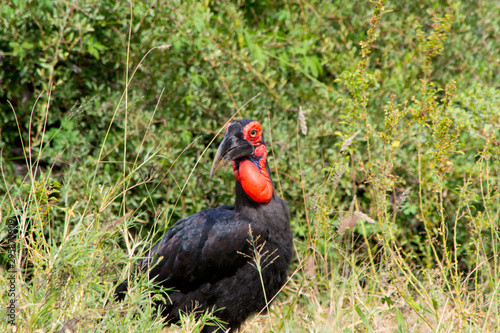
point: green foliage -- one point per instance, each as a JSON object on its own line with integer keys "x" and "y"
{"x": 108, "y": 109}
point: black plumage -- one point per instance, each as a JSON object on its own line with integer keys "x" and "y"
{"x": 207, "y": 257}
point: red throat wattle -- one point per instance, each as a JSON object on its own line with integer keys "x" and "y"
{"x": 254, "y": 180}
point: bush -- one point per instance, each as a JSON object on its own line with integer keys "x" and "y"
{"x": 116, "y": 103}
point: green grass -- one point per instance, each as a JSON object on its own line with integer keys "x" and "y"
{"x": 382, "y": 119}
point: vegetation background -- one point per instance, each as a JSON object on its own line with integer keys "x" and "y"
{"x": 383, "y": 119}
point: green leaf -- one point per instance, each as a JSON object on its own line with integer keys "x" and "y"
{"x": 363, "y": 318}
{"x": 400, "y": 320}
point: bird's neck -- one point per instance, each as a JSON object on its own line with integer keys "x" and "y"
{"x": 253, "y": 180}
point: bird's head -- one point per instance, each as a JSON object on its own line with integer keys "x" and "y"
{"x": 244, "y": 145}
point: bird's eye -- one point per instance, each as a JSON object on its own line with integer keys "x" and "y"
{"x": 253, "y": 133}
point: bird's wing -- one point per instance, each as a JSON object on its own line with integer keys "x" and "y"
{"x": 203, "y": 247}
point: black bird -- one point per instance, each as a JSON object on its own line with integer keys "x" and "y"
{"x": 206, "y": 258}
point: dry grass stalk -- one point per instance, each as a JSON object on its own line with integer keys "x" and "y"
{"x": 349, "y": 141}
{"x": 302, "y": 121}
{"x": 351, "y": 220}
{"x": 338, "y": 173}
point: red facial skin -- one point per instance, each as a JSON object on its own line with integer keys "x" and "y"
{"x": 254, "y": 181}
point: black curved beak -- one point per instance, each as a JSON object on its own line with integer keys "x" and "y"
{"x": 233, "y": 146}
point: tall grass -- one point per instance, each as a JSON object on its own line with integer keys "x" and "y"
{"x": 396, "y": 220}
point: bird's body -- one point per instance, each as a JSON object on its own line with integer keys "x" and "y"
{"x": 208, "y": 258}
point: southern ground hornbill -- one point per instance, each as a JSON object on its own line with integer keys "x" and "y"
{"x": 206, "y": 258}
